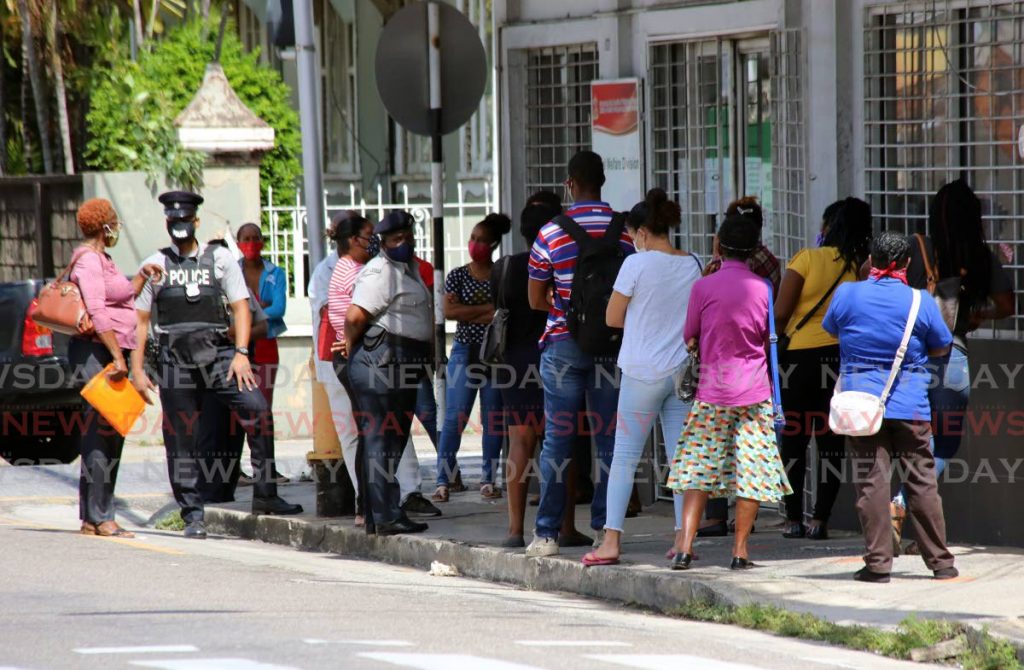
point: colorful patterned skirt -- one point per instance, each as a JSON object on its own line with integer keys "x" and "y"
{"x": 730, "y": 450}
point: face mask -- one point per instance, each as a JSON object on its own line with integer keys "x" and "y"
{"x": 640, "y": 248}
{"x": 111, "y": 235}
{"x": 819, "y": 240}
{"x": 400, "y": 254}
{"x": 480, "y": 252}
{"x": 250, "y": 250}
{"x": 182, "y": 231}
{"x": 373, "y": 248}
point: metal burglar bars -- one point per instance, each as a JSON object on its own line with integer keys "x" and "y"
{"x": 689, "y": 103}
{"x": 288, "y": 247}
{"x": 944, "y": 98}
{"x": 558, "y": 111}
{"x": 787, "y": 212}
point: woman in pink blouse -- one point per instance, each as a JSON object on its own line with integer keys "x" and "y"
{"x": 110, "y": 301}
{"x": 353, "y": 236}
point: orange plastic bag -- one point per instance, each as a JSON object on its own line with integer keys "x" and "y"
{"x": 117, "y": 402}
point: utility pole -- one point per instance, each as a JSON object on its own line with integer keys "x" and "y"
{"x": 312, "y": 168}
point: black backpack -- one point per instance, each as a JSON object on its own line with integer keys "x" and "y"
{"x": 597, "y": 265}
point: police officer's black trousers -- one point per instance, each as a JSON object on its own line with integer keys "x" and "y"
{"x": 182, "y": 390}
{"x": 384, "y": 383}
{"x": 100, "y": 444}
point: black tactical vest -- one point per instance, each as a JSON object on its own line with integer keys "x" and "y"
{"x": 191, "y": 298}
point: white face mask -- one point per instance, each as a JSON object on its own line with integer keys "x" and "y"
{"x": 636, "y": 242}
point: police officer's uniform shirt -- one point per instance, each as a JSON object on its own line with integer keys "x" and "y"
{"x": 396, "y": 298}
{"x": 225, "y": 270}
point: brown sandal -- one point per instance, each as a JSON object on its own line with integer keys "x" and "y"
{"x": 88, "y": 528}
{"x": 490, "y": 492}
{"x": 111, "y": 529}
{"x": 440, "y": 495}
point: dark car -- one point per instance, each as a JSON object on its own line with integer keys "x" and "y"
{"x": 40, "y": 405}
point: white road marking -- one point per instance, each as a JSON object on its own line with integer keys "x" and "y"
{"x": 363, "y": 643}
{"x": 154, "y": 649}
{"x": 446, "y": 662}
{"x": 827, "y": 661}
{"x": 211, "y": 664}
{"x": 572, "y": 643}
{"x": 662, "y": 661}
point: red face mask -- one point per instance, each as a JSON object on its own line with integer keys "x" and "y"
{"x": 480, "y": 252}
{"x": 250, "y": 250}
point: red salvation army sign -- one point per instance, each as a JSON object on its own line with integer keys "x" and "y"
{"x": 615, "y": 126}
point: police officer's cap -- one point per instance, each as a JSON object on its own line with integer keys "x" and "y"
{"x": 180, "y": 205}
{"x": 397, "y": 220}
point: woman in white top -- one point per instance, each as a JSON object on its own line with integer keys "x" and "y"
{"x": 649, "y": 301}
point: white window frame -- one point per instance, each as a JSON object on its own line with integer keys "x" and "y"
{"x": 340, "y": 144}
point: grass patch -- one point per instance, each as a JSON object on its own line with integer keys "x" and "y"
{"x": 983, "y": 653}
{"x": 171, "y": 521}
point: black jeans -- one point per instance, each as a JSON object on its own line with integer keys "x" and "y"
{"x": 805, "y": 398}
{"x": 182, "y": 392}
{"x": 384, "y": 384}
{"x": 100, "y": 445}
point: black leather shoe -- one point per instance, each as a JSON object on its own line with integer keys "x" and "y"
{"x": 720, "y": 529}
{"x": 276, "y": 506}
{"x": 865, "y": 575}
{"x": 401, "y": 527}
{"x": 681, "y": 561}
{"x": 742, "y": 564}
{"x": 817, "y": 532}
{"x": 196, "y": 531}
{"x": 794, "y": 530}
{"x": 420, "y": 506}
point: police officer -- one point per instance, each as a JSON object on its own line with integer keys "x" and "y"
{"x": 389, "y": 333}
{"x": 190, "y": 322}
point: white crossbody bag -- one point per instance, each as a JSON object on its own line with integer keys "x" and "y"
{"x": 860, "y": 414}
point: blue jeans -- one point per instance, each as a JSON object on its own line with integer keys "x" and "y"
{"x": 573, "y": 382}
{"x": 426, "y": 409}
{"x": 640, "y": 404}
{"x": 948, "y": 394}
{"x": 465, "y": 376}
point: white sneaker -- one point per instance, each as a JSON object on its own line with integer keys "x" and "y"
{"x": 599, "y": 539}
{"x": 541, "y": 547}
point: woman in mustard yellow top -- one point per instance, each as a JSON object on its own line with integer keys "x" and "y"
{"x": 813, "y": 358}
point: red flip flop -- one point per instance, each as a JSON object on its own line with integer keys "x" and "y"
{"x": 592, "y": 561}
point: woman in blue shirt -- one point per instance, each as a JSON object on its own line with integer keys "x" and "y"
{"x": 268, "y": 282}
{"x": 869, "y": 318}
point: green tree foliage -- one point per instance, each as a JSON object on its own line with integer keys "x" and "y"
{"x": 134, "y": 104}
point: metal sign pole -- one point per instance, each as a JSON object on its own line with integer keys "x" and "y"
{"x": 437, "y": 198}
{"x": 312, "y": 171}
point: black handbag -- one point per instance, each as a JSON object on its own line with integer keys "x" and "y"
{"x": 495, "y": 340}
{"x": 687, "y": 378}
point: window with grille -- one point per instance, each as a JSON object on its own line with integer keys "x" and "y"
{"x": 338, "y": 67}
{"x": 709, "y": 96}
{"x": 944, "y": 98}
{"x": 475, "y": 136}
{"x": 558, "y": 111}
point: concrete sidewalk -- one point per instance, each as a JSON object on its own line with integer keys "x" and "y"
{"x": 798, "y": 575}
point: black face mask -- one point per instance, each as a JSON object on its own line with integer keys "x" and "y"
{"x": 182, "y": 230}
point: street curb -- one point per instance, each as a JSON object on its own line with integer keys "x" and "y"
{"x": 636, "y": 586}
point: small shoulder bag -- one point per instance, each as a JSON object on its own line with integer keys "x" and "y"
{"x": 860, "y": 414}
{"x": 495, "y": 341}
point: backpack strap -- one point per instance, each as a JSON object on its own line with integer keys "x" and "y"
{"x": 616, "y": 227}
{"x": 574, "y": 230}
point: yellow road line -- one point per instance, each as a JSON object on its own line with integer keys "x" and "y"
{"x": 135, "y": 544}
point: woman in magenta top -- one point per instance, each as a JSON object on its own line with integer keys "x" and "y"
{"x": 110, "y": 301}
{"x": 728, "y": 445}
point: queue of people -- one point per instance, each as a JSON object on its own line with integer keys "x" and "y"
{"x": 607, "y": 329}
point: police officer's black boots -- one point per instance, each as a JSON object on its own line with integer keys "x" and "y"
{"x": 274, "y": 505}
{"x": 196, "y": 530}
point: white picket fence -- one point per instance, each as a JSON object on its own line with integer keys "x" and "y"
{"x": 287, "y": 245}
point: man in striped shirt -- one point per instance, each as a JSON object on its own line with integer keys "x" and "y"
{"x": 573, "y": 381}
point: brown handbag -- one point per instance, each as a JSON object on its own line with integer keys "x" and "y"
{"x": 60, "y": 306}
{"x": 947, "y": 292}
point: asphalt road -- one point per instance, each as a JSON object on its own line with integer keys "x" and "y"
{"x": 160, "y": 601}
